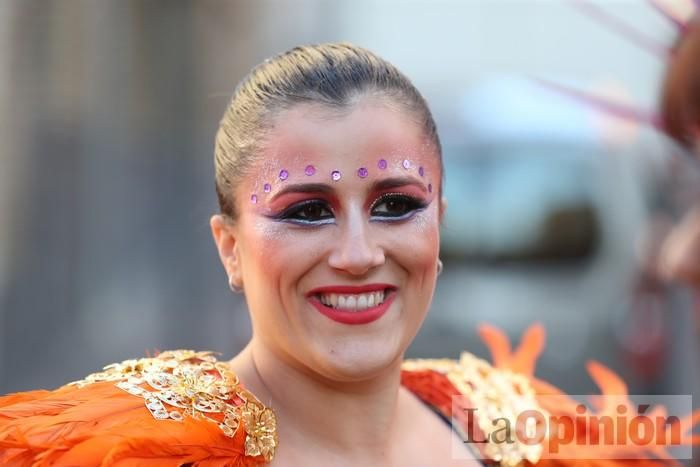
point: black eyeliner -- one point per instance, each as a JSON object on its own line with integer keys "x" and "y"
{"x": 286, "y": 214}
{"x": 415, "y": 205}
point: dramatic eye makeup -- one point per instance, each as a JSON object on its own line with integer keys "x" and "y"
{"x": 314, "y": 204}
{"x": 311, "y": 212}
{"x": 391, "y": 207}
{"x": 391, "y": 199}
{"x": 387, "y": 207}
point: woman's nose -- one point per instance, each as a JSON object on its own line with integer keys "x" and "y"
{"x": 356, "y": 251}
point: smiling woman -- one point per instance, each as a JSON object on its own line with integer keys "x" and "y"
{"x": 372, "y": 234}
{"x": 329, "y": 179}
{"x": 330, "y": 225}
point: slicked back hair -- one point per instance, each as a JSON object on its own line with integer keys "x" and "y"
{"x": 333, "y": 75}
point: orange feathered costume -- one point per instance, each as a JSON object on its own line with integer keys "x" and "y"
{"x": 185, "y": 408}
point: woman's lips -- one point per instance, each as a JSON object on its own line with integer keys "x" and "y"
{"x": 351, "y": 289}
{"x": 353, "y": 304}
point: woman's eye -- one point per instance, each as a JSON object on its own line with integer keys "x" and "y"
{"x": 396, "y": 206}
{"x": 308, "y": 212}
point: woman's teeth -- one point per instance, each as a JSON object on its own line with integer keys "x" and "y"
{"x": 354, "y": 302}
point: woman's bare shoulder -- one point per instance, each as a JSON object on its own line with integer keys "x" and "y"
{"x": 181, "y": 405}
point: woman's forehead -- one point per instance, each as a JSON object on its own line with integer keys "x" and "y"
{"x": 364, "y": 125}
{"x": 363, "y": 144}
{"x": 312, "y": 136}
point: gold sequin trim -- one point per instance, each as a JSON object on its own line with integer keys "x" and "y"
{"x": 184, "y": 383}
{"x": 497, "y": 394}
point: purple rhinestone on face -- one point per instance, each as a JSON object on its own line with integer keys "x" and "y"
{"x": 406, "y": 164}
{"x": 267, "y": 188}
{"x": 430, "y": 188}
{"x": 310, "y": 170}
{"x": 284, "y": 175}
{"x": 421, "y": 172}
{"x": 335, "y": 175}
{"x": 254, "y": 198}
{"x": 362, "y": 172}
{"x": 381, "y": 164}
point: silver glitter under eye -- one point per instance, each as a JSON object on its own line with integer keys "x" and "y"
{"x": 425, "y": 220}
{"x": 406, "y": 164}
{"x": 271, "y": 230}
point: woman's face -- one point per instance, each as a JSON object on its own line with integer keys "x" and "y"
{"x": 336, "y": 243}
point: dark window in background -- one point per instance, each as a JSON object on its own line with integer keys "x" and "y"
{"x": 527, "y": 202}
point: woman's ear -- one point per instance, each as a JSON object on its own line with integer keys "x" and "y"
{"x": 224, "y": 233}
{"x": 443, "y": 208}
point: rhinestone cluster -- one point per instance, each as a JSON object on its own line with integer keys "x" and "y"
{"x": 184, "y": 383}
{"x": 337, "y": 175}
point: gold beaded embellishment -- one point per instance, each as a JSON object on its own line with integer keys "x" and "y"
{"x": 497, "y": 394}
{"x": 184, "y": 383}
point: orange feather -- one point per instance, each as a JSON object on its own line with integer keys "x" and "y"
{"x": 100, "y": 424}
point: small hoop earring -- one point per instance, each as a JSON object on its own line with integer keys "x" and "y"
{"x": 234, "y": 288}
{"x": 439, "y": 267}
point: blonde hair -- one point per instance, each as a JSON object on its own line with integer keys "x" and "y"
{"x": 329, "y": 74}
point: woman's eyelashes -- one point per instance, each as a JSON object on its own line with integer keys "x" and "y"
{"x": 309, "y": 212}
{"x": 389, "y": 207}
{"x": 396, "y": 207}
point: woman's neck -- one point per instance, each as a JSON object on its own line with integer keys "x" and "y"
{"x": 359, "y": 419}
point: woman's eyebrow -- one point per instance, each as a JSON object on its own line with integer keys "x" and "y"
{"x": 304, "y": 188}
{"x": 396, "y": 182}
{"x": 384, "y": 184}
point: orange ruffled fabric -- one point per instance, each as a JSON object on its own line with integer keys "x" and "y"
{"x": 100, "y": 424}
{"x": 435, "y": 389}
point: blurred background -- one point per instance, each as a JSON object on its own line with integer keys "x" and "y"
{"x": 556, "y": 211}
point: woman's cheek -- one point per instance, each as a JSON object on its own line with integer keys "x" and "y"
{"x": 416, "y": 242}
{"x": 425, "y": 230}
{"x": 283, "y": 248}
{"x": 267, "y": 248}
{"x": 427, "y": 243}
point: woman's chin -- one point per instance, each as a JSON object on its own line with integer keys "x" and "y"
{"x": 358, "y": 364}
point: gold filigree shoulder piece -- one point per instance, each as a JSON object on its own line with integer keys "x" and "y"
{"x": 184, "y": 383}
{"x": 497, "y": 394}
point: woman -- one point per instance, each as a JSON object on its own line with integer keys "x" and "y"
{"x": 680, "y": 116}
{"x": 329, "y": 178}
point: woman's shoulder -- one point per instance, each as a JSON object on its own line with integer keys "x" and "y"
{"x": 510, "y": 417}
{"x": 180, "y": 406}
